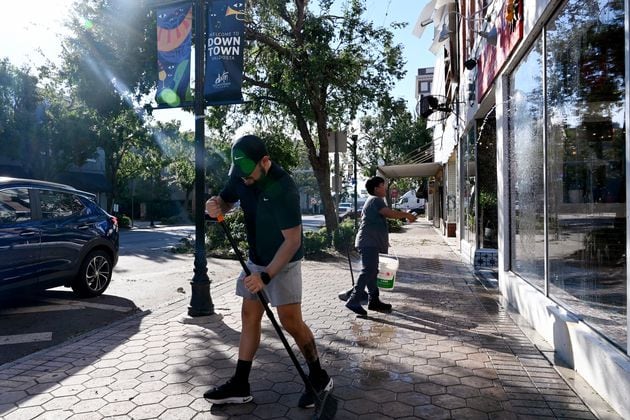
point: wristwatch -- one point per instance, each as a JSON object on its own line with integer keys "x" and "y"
{"x": 265, "y": 277}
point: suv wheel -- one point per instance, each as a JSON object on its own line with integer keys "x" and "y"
{"x": 94, "y": 276}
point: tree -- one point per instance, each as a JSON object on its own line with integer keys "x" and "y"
{"x": 320, "y": 69}
{"x": 220, "y": 121}
{"x": 392, "y": 135}
{"x": 178, "y": 150}
{"x": 65, "y": 128}
{"x": 110, "y": 58}
{"x": 109, "y": 62}
{"x": 19, "y": 101}
{"x": 44, "y": 127}
{"x": 120, "y": 137}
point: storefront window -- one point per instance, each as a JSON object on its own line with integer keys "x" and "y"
{"x": 468, "y": 198}
{"x": 586, "y": 152}
{"x": 526, "y": 169}
{"x": 487, "y": 216}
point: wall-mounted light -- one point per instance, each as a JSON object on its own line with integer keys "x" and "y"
{"x": 490, "y": 36}
{"x": 470, "y": 64}
{"x": 445, "y": 33}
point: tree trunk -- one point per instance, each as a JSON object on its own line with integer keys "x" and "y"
{"x": 319, "y": 161}
{"x": 330, "y": 215}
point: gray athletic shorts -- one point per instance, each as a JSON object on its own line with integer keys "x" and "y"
{"x": 285, "y": 288}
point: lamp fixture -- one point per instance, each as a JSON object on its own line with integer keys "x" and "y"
{"x": 470, "y": 64}
{"x": 490, "y": 36}
{"x": 444, "y": 33}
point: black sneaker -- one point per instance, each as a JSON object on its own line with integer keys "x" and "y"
{"x": 230, "y": 392}
{"x": 323, "y": 384}
{"x": 355, "y": 307}
{"x": 377, "y": 305}
{"x": 346, "y": 295}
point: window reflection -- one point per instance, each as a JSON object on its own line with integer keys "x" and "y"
{"x": 468, "y": 197}
{"x": 526, "y": 169}
{"x": 586, "y": 152}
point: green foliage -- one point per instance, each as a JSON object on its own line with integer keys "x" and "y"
{"x": 216, "y": 240}
{"x": 395, "y": 225}
{"x": 124, "y": 221}
{"x": 343, "y": 237}
{"x": 281, "y": 147}
{"x": 109, "y": 56}
{"x": 43, "y": 127}
{"x": 317, "y": 69}
{"x": 108, "y": 64}
{"x": 393, "y": 135}
{"x": 19, "y": 99}
{"x": 487, "y": 199}
{"x": 315, "y": 242}
{"x": 318, "y": 242}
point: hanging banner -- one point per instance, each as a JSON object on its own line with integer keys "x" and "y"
{"x": 224, "y": 52}
{"x": 174, "y": 29}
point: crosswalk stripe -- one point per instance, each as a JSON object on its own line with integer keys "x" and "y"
{"x": 83, "y": 304}
{"x": 37, "y": 309}
{"x": 25, "y": 338}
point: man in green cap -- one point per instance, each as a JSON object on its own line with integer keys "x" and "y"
{"x": 273, "y": 221}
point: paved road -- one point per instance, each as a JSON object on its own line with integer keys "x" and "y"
{"x": 29, "y": 323}
{"x": 313, "y": 222}
{"x": 147, "y": 277}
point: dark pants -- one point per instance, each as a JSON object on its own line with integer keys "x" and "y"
{"x": 369, "y": 261}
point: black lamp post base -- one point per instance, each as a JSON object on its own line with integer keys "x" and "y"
{"x": 200, "y": 302}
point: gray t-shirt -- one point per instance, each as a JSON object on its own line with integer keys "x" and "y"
{"x": 373, "y": 232}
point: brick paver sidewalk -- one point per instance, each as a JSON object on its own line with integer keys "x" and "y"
{"x": 449, "y": 350}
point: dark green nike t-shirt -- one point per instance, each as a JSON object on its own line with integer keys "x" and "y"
{"x": 270, "y": 206}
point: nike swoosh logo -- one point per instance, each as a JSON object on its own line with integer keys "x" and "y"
{"x": 239, "y": 157}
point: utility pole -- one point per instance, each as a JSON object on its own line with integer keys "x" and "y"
{"x": 200, "y": 300}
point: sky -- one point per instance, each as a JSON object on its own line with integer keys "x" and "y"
{"x": 34, "y": 25}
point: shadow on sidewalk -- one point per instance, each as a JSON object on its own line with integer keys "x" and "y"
{"x": 51, "y": 368}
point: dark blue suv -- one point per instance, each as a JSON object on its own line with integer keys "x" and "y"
{"x": 52, "y": 235}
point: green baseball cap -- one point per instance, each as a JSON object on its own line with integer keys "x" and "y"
{"x": 247, "y": 151}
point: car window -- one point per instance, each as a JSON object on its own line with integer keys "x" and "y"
{"x": 57, "y": 204}
{"x": 15, "y": 205}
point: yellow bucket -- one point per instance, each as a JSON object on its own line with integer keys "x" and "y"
{"x": 387, "y": 266}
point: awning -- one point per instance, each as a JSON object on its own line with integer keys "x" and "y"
{"x": 411, "y": 170}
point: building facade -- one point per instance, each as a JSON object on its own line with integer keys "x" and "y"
{"x": 424, "y": 80}
{"x": 537, "y": 134}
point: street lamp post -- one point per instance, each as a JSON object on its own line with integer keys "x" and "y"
{"x": 200, "y": 300}
{"x": 355, "y": 138}
{"x": 133, "y": 193}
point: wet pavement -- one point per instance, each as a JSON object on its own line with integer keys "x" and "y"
{"x": 449, "y": 349}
